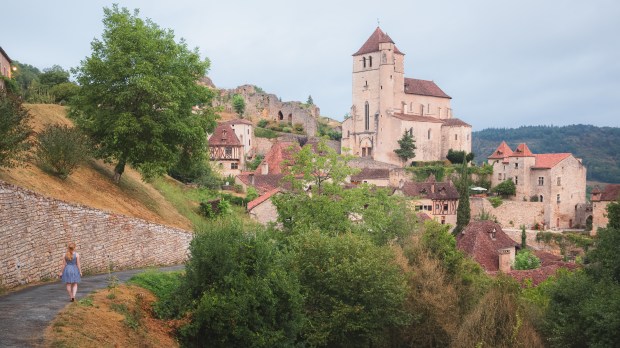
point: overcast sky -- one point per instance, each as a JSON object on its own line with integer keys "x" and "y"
{"x": 505, "y": 64}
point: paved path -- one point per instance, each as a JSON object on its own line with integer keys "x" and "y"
{"x": 25, "y": 314}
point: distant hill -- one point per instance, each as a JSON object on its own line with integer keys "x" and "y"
{"x": 599, "y": 147}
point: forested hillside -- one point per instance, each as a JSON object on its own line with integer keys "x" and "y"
{"x": 599, "y": 147}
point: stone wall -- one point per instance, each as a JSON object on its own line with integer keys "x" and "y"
{"x": 517, "y": 212}
{"x": 34, "y": 231}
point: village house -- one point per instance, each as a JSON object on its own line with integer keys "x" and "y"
{"x": 386, "y": 104}
{"x": 5, "y": 67}
{"x": 600, "y": 200}
{"x": 272, "y": 169}
{"x": 226, "y": 150}
{"x": 244, "y": 130}
{"x": 437, "y": 200}
{"x": 558, "y": 180}
{"x": 262, "y": 208}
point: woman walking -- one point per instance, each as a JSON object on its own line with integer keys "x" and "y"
{"x": 71, "y": 271}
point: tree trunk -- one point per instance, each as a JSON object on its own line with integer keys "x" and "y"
{"x": 118, "y": 170}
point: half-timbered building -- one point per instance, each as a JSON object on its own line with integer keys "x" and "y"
{"x": 226, "y": 150}
{"x": 438, "y": 200}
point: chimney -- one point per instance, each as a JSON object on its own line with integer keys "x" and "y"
{"x": 252, "y": 179}
{"x": 265, "y": 168}
{"x": 505, "y": 264}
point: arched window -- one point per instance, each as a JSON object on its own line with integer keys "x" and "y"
{"x": 540, "y": 199}
{"x": 366, "y": 116}
{"x": 411, "y": 131}
{"x": 370, "y": 61}
{"x": 364, "y": 60}
{"x": 429, "y": 134}
{"x": 280, "y": 116}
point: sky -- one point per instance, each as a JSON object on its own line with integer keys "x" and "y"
{"x": 504, "y": 63}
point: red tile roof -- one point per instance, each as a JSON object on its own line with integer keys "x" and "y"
{"x": 224, "y": 135}
{"x": 540, "y": 274}
{"x": 502, "y": 151}
{"x": 260, "y": 199}
{"x": 371, "y": 173}
{"x": 263, "y": 183}
{"x": 549, "y": 160}
{"x": 476, "y": 241}
{"x": 417, "y": 118}
{"x": 278, "y": 155}
{"x": 522, "y": 151}
{"x": 430, "y": 190}
{"x": 372, "y": 44}
{"x": 424, "y": 87}
{"x": 239, "y": 121}
{"x": 451, "y": 122}
{"x": 611, "y": 192}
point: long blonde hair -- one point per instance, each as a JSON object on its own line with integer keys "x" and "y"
{"x": 70, "y": 250}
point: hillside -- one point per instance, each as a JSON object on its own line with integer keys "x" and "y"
{"x": 599, "y": 147}
{"x": 92, "y": 184}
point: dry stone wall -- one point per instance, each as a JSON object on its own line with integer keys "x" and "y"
{"x": 34, "y": 231}
{"x": 510, "y": 213}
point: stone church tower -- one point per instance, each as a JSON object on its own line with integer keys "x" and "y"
{"x": 386, "y": 104}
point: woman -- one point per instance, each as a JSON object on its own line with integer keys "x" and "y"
{"x": 71, "y": 271}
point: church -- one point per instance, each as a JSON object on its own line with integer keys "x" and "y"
{"x": 386, "y": 104}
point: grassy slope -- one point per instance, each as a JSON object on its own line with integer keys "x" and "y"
{"x": 92, "y": 184}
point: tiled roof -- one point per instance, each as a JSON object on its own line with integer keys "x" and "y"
{"x": 422, "y": 216}
{"x": 430, "y": 190}
{"x": 424, "y": 87}
{"x": 476, "y": 241}
{"x": 540, "y": 274}
{"x": 372, "y": 44}
{"x": 522, "y": 151}
{"x": 277, "y": 155}
{"x": 452, "y": 122}
{"x": 260, "y": 199}
{"x": 239, "y": 121}
{"x": 502, "y": 151}
{"x": 371, "y": 173}
{"x": 263, "y": 183}
{"x": 611, "y": 192}
{"x": 224, "y": 135}
{"x": 417, "y": 118}
{"x": 549, "y": 160}
{"x": 5, "y": 55}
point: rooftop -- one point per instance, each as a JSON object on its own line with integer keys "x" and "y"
{"x": 224, "y": 135}
{"x": 424, "y": 87}
{"x": 482, "y": 240}
{"x": 372, "y": 44}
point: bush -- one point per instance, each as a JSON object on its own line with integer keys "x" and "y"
{"x": 64, "y": 92}
{"x": 61, "y": 149}
{"x": 495, "y": 201}
{"x": 287, "y": 129}
{"x": 265, "y": 133}
{"x": 526, "y": 260}
{"x": 214, "y": 208}
{"x": 14, "y": 130}
{"x": 506, "y": 188}
{"x": 534, "y": 198}
{"x": 255, "y": 162}
{"x": 165, "y": 285}
{"x": 298, "y": 127}
{"x": 252, "y": 194}
{"x": 263, "y": 123}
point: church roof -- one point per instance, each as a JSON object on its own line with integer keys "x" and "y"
{"x": 455, "y": 122}
{"x": 417, "y": 118}
{"x": 424, "y": 87}
{"x": 224, "y": 135}
{"x": 372, "y": 44}
{"x": 502, "y": 151}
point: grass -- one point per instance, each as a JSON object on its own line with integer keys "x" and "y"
{"x": 186, "y": 200}
{"x": 265, "y": 133}
{"x": 165, "y": 286}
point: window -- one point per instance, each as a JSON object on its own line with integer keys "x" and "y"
{"x": 516, "y": 180}
{"x": 541, "y": 181}
{"x": 364, "y": 61}
{"x": 429, "y": 134}
{"x": 559, "y": 181}
{"x": 517, "y": 165}
{"x": 443, "y": 220}
{"x": 499, "y": 176}
{"x": 540, "y": 198}
{"x": 557, "y": 199}
{"x": 456, "y": 137}
{"x": 366, "y": 116}
{"x": 467, "y": 136}
{"x": 411, "y": 131}
{"x": 228, "y": 150}
{"x": 445, "y": 207}
{"x": 234, "y": 165}
{"x": 370, "y": 61}
{"x": 437, "y": 207}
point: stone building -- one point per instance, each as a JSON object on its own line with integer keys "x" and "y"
{"x": 558, "y": 180}
{"x": 600, "y": 200}
{"x": 489, "y": 245}
{"x": 226, "y": 150}
{"x": 438, "y": 200}
{"x": 5, "y": 66}
{"x": 262, "y": 208}
{"x": 386, "y": 104}
{"x": 244, "y": 130}
{"x": 261, "y": 105}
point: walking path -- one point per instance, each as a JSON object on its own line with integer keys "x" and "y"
{"x": 26, "y": 313}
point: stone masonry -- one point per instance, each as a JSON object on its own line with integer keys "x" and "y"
{"x": 34, "y": 231}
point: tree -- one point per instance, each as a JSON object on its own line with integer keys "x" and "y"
{"x": 63, "y": 92}
{"x": 61, "y": 149}
{"x": 463, "y": 212}
{"x": 407, "y": 147}
{"x": 310, "y": 101}
{"x": 506, "y": 188}
{"x": 457, "y": 157}
{"x": 14, "y": 130}
{"x": 25, "y": 75}
{"x": 525, "y": 259}
{"x": 523, "y": 238}
{"x": 238, "y": 104}
{"x": 54, "y": 76}
{"x": 137, "y": 91}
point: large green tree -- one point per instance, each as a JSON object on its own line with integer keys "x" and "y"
{"x": 463, "y": 212}
{"x": 407, "y": 147}
{"x": 54, "y": 76}
{"x": 14, "y": 130}
{"x": 137, "y": 91}
{"x": 238, "y": 104}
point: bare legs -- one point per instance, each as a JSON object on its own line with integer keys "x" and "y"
{"x": 72, "y": 290}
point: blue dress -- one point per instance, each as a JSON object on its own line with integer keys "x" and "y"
{"x": 71, "y": 274}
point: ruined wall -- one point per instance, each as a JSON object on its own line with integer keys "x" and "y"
{"x": 260, "y": 105}
{"x": 34, "y": 231}
{"x": 517, "y": 212}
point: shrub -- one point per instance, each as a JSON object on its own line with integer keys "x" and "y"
{"x": 265, "y": 133}
{"x": 534, "y": 198}
{"x": 506, "y": 188}
{"x": 14, "y": 130}
{"x": 298, "y": 127}
{"x": 63, "y": 92}
{"x": 255, "y": 162}
{"x": 263, "y": 123}
{"x": 252, "y": 194}
{"x": 287, "y": 129}
{"x": 61, "y": 149}
{"x": 485, "y": 216}
{"x": 214, "y": 208}
{"x": 526, "y": 260}
{"x": 495, "y": 201}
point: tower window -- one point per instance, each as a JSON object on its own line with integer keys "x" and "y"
{"x": 364, "y": 61}
{"x": 370, "y": 61}
{"x": 366, "y": 116}
{"x": 456, "y": 137}
{"x": 541, "y": 181}
{"x": 429, "y": 134}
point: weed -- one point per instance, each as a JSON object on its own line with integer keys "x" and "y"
{"x": 111, "y": 296}
{"x": 86, "y": 301}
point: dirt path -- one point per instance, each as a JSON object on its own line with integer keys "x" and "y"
{"x": 25, "y": 314}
